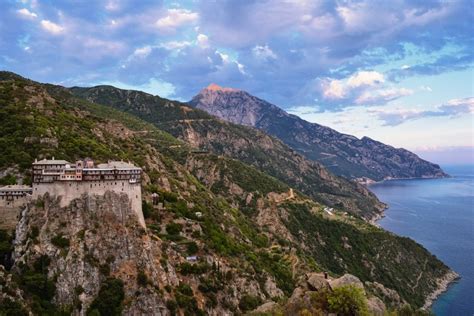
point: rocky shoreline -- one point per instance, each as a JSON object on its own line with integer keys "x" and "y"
{"x": 443, "y": 282}
{"x": 368, "y": 182}
{"x": 443, "y": 285}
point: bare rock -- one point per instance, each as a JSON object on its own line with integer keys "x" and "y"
{"x": 265, "y": 308}
{"x": 316, "y": 282}
{"x": 347, "y": 279}
{"x": 272, "y": 289}
{"x": 376, "y": 306}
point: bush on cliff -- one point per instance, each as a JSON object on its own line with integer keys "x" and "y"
{"x": 348, "y": 300}
{"x": 109, "y": 300}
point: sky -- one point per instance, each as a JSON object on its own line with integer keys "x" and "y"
{"x": 400, "y": 72}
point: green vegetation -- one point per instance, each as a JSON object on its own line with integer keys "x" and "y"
{"x": 38, "y": 287}
{"x": 249, "y": 302}
{"x": 174, "y": 228}
{"x": 197, "y": 268}
{"x": 60, "y": 241}
{"x": 340, "y": 248}
{"x": 109, "y": 300}
{"x": 347, "y": 301}
{"x": 147, "y": 209}
{"x": 8, "y": 179}
{"x": 192, "y": 248}
{"x": 9, "y": 307}
{"x": 186, "y": 301}
{"x": 5, "y": 248}
{"x": 142, "y": 279}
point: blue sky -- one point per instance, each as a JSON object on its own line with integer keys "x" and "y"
{"x": 398, "y": 71}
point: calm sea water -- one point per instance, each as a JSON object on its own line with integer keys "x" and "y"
{"x": 439, "y": 214}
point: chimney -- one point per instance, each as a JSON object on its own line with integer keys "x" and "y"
{"x": 53, "y": 158}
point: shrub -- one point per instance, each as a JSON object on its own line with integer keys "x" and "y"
{"x": 249, "y": 302}
{"x": 169, "y": 196}
{"x": 104, "y": 269}
{"x": 9, "y": 307}
{"x": 33, "y": 233}
{"x": 142, "y": 278}
{"x": 174, "y": 228}
{"x": 8, "y": 179}
{"x": 348, "y": 300}
{"x": 172, "y": 306}
{"x": 147, "y": 209}
{"x": 109, "y": 300}
{"x": 184, "y": 289}
{"x": 192, "y": 248}
{"x": 5, "y": 248}
{"x": 59, "y": 241}
{"x": 187, "y": 268}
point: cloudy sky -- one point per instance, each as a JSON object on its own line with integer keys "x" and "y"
{"x": 398, "y": 71}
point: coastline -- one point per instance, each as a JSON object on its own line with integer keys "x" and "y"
{"x": 368, "y": 182}
{"x": 443, "y": 284}
{"x": 445, "y": 281}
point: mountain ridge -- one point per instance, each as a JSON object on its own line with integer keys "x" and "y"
{"x": 361, "y": 159}
{"x": 247, "y": 144}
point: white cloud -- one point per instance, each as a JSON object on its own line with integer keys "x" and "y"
{"x": 225, "y": 57}
{"x": 142, "y": 52}
{"x": 176, "y": 18}
{"x": 361, "y": 88}
{"x": 175, "y": 45}
{"x": 382, "y": 95}
{"x": 339, "y": 89}
{"x": 426, "y": 88}
{"x": 455, "y": 106}
{"x": 203, "y": 41}
{"x": 27, "y": 13}
{"x": 51, "y": 27}
{"x": 452, "y": 108}
{"x": 112, "y": 5}
{"x": 263, "y": 52}
{"x": 365, "y": 78}
{"x": 333, "y": 89}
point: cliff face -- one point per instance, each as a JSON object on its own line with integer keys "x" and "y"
{"x": 342, "y": 154}
{"x": 92, "y": 239}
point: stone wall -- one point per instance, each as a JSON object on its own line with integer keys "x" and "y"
{"x": 70, "y": 190}
{"x": 10, "y": 211}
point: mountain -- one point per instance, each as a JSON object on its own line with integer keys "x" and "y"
{"x": 256, "y": 240}
{"x": 246, "y": 144}
{"x": 344, "y": 155}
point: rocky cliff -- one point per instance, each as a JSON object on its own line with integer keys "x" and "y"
{"x": 342, "y": 154}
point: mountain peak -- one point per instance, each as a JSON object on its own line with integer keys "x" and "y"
{"x": 216, "y": 87}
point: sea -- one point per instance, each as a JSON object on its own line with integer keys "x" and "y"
{"x": 439, "y": 214}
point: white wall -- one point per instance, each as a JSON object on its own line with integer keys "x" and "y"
{"x": 70, "y": 190}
